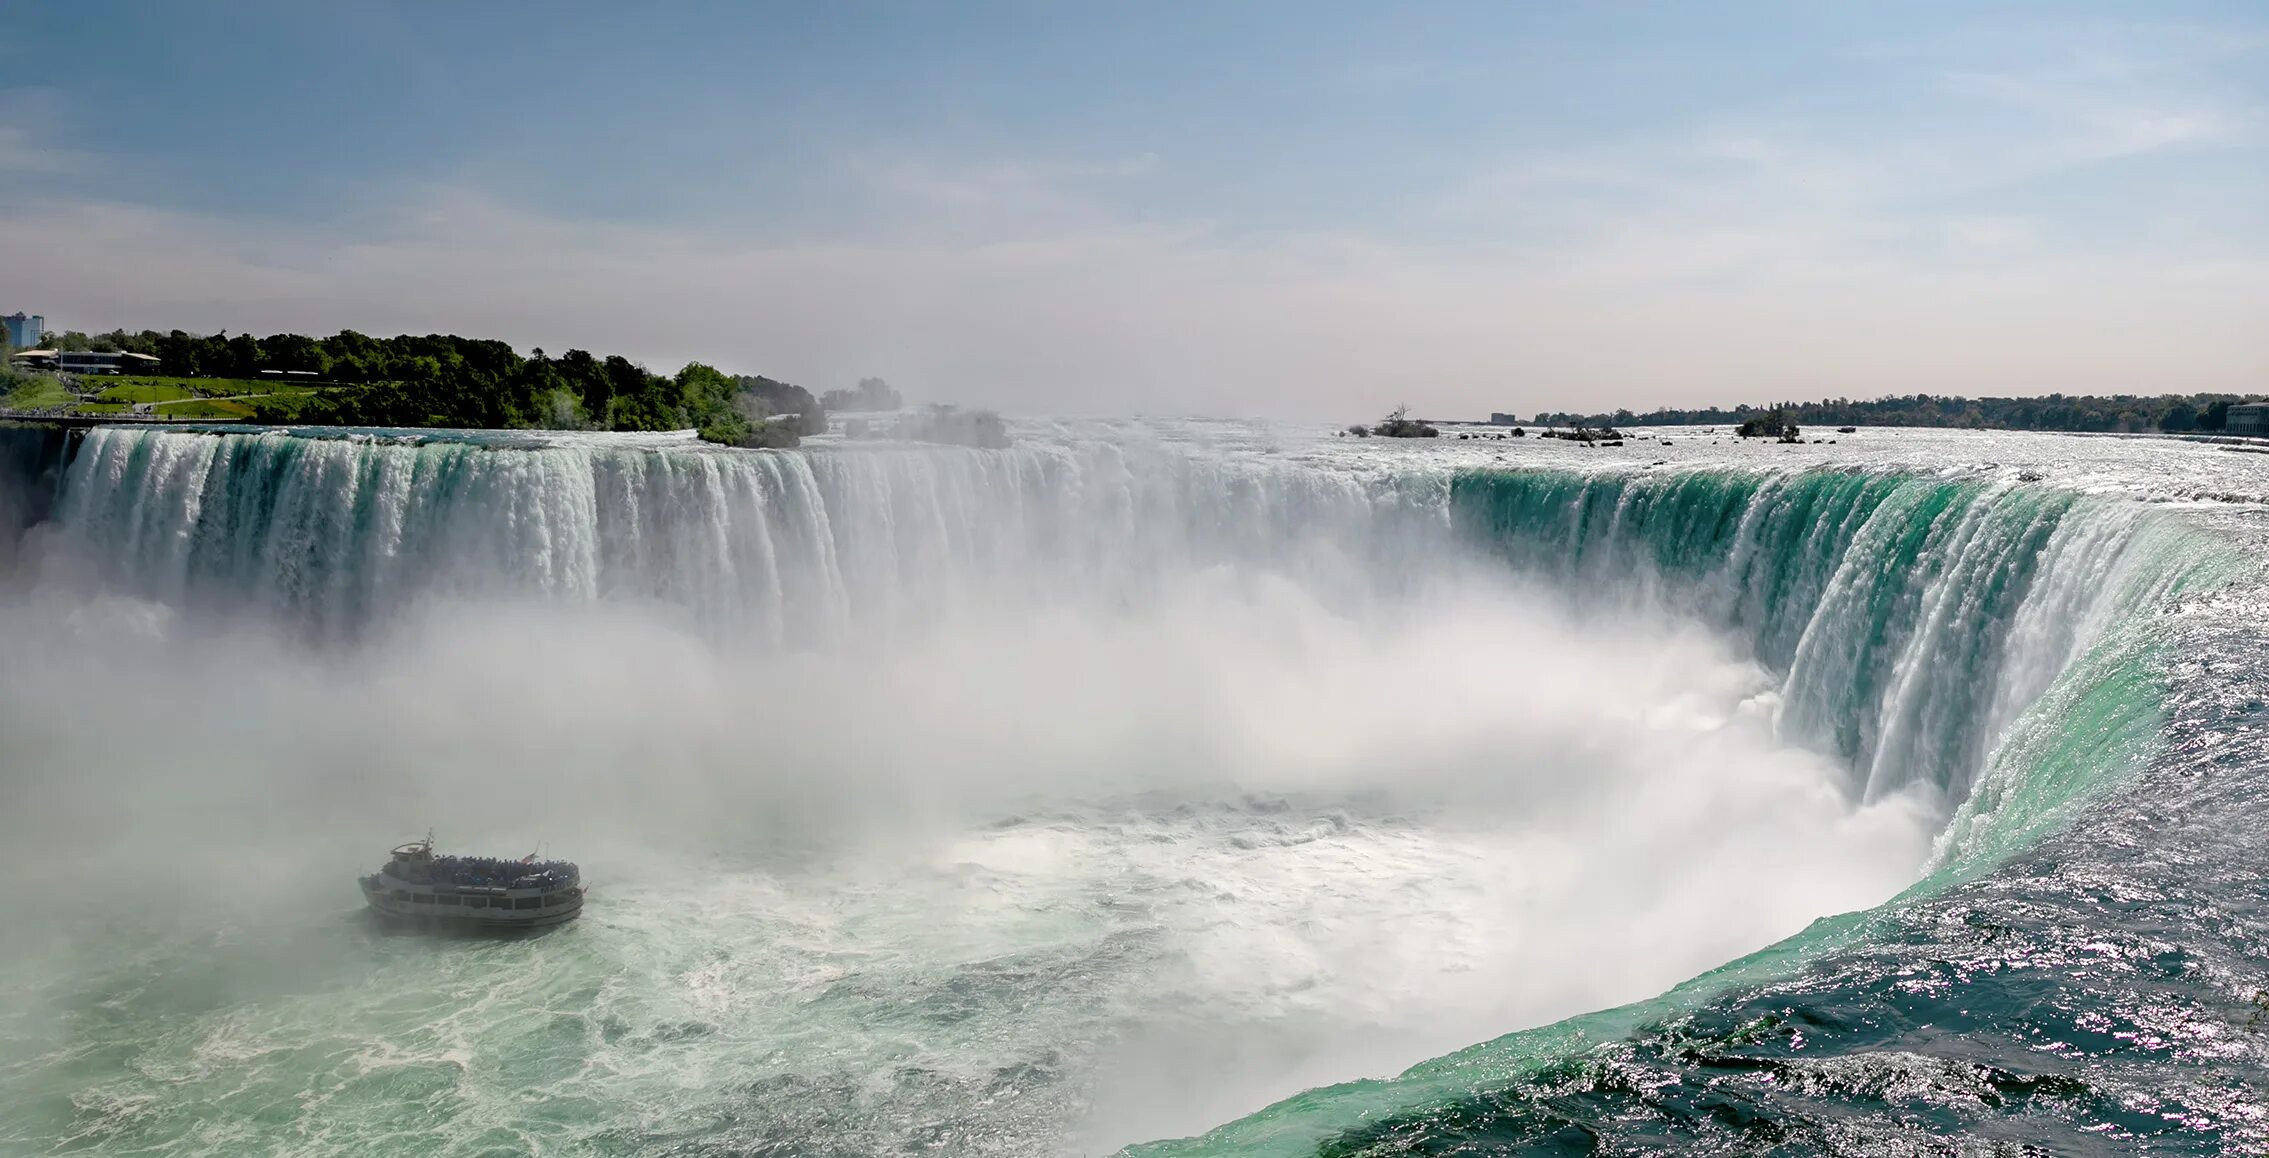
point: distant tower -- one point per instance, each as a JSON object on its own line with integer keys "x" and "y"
{"x": 24, "y": 329}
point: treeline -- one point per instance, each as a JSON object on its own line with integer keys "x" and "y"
{"x": 446, "y": 380}
{"x": 872, "y": 394}
{"x": 2128, "y": 413}
{"x": 143, "y": 342}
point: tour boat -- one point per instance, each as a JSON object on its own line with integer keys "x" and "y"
{"x": 473, "y": 892}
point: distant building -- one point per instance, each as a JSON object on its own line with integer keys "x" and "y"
{"x": 1499, "y": 418}
{"x": 103, "y": 362}
{"x": 2248, "y": 418}
{"x": 24, "y": 329}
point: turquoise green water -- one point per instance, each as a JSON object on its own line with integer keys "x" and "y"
{"x": 1840, "y": 577}
{"x": 1108, "y": 788}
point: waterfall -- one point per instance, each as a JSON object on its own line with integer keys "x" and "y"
{"x": 1995, "y": 642}
{"x": 1912, "y": 618}
{"x": 1175, "y": 613}
{"x": 336, "y": 533}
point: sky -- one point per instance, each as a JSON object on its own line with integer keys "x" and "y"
{"x": 1313, "y": 209}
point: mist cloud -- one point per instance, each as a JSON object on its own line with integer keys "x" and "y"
{"x": 1275, "y": 844}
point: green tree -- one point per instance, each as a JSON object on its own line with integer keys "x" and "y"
{"x": 290, "y": 352}
{"x": 243, "y": 357}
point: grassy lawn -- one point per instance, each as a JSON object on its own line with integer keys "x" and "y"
{"x": 139, "y": 391}
{"x": 167, "y": 397}
{"x": 40, "y": 393}
{"x": 195, "y": 387}
{"x": 202, "y": 408}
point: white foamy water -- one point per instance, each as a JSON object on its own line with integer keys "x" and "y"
{"x": 1029, "y": 803}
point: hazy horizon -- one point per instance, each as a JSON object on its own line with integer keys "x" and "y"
{"x": 1242, "y": 210}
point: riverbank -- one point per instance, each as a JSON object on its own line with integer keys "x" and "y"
{"x": 41, "y": 396}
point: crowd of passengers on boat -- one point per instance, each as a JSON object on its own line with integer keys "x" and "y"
{"x": 484, "y": 872}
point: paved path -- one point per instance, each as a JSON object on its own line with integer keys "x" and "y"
{"x": 149, "y": 407}
{"x": 49, "y": 418}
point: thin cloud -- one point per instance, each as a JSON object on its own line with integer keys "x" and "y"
{"x": 28, "y": 117}
{"x": 2078, "y": 118}
{"x": 1123, "y": 318}
{"x": 908, "y": 194}
{"x": 1992, "y": 232}
{"x": 22, "y": 153}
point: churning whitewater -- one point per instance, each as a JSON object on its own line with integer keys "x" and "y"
{"x": 1276, "y": 793}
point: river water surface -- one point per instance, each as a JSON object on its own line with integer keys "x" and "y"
{"x": 1238, "y": 784}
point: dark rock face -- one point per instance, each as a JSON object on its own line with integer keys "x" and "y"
{"x": 32, "y": 459}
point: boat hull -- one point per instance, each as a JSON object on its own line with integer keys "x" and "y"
{"x": 429, "y": 915}
{"x": 496, "y": 924}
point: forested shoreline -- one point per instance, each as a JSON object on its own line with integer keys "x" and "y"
{"x": 442, "y": 380}
{"x": 2114, "y": 413}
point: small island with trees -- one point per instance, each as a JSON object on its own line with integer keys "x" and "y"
{"x": 1397, "y": 424}
{"x": 1773, "y": 424}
